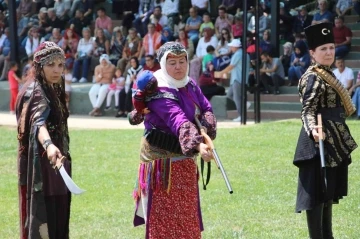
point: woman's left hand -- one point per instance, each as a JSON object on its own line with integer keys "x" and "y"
{"x": 205, "y": 152}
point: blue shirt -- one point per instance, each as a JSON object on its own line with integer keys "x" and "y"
{"x": 236, "y": 61}
{"x": 6, "y": 47}
{"x": 326, "y": 15}
{"x": 193, "y": 22}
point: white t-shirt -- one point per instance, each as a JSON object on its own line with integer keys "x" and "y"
{"x": 68, "y": 78}
{"x": 345, "y": 77}
{"x": 199, "y": 3}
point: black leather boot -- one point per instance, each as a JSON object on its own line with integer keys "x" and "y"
{"x": 315, "y": 221}
{"x": 327, "y": 221}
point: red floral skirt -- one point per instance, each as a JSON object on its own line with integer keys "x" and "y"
{"x": 176, "y": 214}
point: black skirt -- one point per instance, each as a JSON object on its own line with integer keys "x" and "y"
{"x": 310, "y": 191}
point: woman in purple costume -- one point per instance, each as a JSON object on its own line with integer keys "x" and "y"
{"x": 167, "y": 193}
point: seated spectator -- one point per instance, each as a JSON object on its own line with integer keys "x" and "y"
{"x": 32, "y": 41}
{"x": 142, "y": 17}
{"x": 101, "y": 46}
{"x": 62, "y": 10}
{"x": 263, "y": 23}
{"x": 206, "y": 23}
{"x": 232, "y": 6}
{"x": 271, "y": 73}
{"x": 158, "y": 17}
{"x": 265, "y": 43}
{"x": 132, "y": 49}
{"x": 56, "y": 37}
{"x": 208, "y": 84}
{"x": 195, "y": 64}
{"x": 356, "y": 4}
{"x": 323, "y": 15}
{"x": 54, "y": 21}
{"x": 286, "y": 56}
{"x": 223, "y": 51}
{"x": 150, "y": 44}
{"x": 23, "y": 25}
{"x": 116, "y": 45}
{"x": 250, "y": 44}
{"x": 5, "y": 55}
{"x": 342, "y": 38}
{"x": 193, "y": 25}
{"x": 69, "y": 45}
{"x": 343, "y": 73}
{"x": 43, "y": 25}
{"x": 187, "y": 43}
{"x": 130, "y": 8}
{"x": 125, "y": 104}
{"x": 344, "y": 7}
{"x": 104, "y": 74}
{"x": 83, "y": 57}
{"x": 224, "y": 20}
{"x": 237, "y": 28}
{"x": 300, "y": 61}
{"x": 209, "y": 57}
{"x": 68, "y": 88}
{"x": 79, "y": 22}
{"x": 25, "y": 8}
{"x": 302, "y": 20}
{"x": 26, "y": 70}
{"x": 200, "y": 5}
{"x": 87, "y": 6}
{"x": 170, "y": 9}
{"x": 151, "y": 64}
{"x": 166, "y": 35}
{"x": 103, "y": 22}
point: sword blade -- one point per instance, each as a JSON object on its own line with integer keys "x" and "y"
{"x": 70, "y": 184}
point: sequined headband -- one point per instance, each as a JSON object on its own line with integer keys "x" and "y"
{"x": 47, "y": 52}
{"x": 174, "y": 48}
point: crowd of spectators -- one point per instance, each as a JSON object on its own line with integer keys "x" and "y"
{"x": 85, "y": 30}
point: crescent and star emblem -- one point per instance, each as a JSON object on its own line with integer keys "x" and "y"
{"x": 325, "y": 31}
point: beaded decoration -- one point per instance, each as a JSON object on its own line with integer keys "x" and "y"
{"x": 175, "y": 48}
{"x": 48, "y": 52}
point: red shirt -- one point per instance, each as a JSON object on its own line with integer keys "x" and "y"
{"x": 154, "y": 68}
{"x": 12, "y": 80}
{"x": 340, "y": 34}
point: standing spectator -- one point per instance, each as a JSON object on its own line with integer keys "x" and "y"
{"x": 224, "y": 20}
{"x": 132, "y": 49}
{"x": 343, "y": 73}
{"x": 201, "y": 5}
{"x": 117, "y": 45}
{"x": 69, "y": 45}
{"x": 62, "y": 10}
{"x": 79, "y": 22}
{"x": 342, "y": 36}
{"x": 125, "y": 104}
{"x": 104, "y": 74}
{"x": 150, "y": 63}
{"x": 193, "y": 25}
{"x": 14, "y": 81}
{"x": 323, "y": 15}
{"x": 209, "y": 57}
{"x": 302, "y": 20}
{"x": 187, "y": 43}
{"x": 343, "y": 7}
{"x": 235, "y": 67}
{"x": 286, "y": 56}
{"x": 271, "y": 73}
{"x": 32, "y": 42}
{"x": 83, "y": 57}
{"x": 103, "y": 22}
{"x": 151, "y": 43}
{"x": 300, "y": 61}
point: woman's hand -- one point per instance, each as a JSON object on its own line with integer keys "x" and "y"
{"x": 205, "y": 152}
{"x": 315, "y": 133}
{"x": 53, "y": 153}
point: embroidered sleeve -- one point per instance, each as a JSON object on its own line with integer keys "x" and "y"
{"x": 189, "y": 138}
{"x": 135, "y": 117}
{"x": 209, "y": 121}
{"x": 311, "y": 89}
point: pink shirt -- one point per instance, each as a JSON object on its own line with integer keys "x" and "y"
{"x": 104, "y": 23}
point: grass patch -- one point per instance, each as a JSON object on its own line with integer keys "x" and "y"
{"x": 258, "y": 161}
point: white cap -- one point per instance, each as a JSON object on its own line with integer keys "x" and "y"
{"x": 235, "y": 43}
{"x": 104, "y": 57}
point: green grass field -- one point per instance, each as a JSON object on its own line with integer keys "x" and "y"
{"x": 258, "y": 161}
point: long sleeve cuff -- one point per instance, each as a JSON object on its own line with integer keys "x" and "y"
{"x": 189, "y": 138}
{"x": 208, "y": 120}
